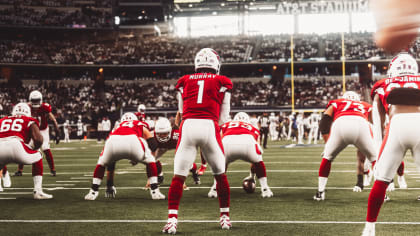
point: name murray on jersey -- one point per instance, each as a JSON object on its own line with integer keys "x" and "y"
{"x": 202, "y": 76}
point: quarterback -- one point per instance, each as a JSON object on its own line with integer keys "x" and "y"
{"x": 204, "y": 102}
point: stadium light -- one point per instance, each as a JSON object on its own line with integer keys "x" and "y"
{"x": 117, "y": 20}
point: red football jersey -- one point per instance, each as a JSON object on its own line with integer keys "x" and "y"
{"x": 202, "y": 95}
{"x": 16, "y": 126}
{"x": 129, "y": 128}
{"x": 345, "y": 107}
{"x": 141, "y": 116}
{"x": 239, "y": 127}
{"x": 171, "y": 143}
{"x": 41, "y": 114}
{"x": 383, "y": 87}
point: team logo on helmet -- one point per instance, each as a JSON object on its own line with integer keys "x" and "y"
{"x": 21, "y": 109}
{"x": 129, "y": 116}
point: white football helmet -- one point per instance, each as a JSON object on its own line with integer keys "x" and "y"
{"x": 402, "y": 64}
{"x": 35, "y": 98}
{"x": 350, "y": 95}
{"x": 141, "y": 108}
{"x": 163, "y": 129}
{"x": 207, "y": 58}
{"x": 21, "y": 109}
{"x": 241, "y": 116}
{"x": 129, "y": 116}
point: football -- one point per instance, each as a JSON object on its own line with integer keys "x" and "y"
{"x": 248, "y": 185}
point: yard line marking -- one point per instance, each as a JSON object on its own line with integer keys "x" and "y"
{"x": 71, "y": 181}
{"x": 16, "y": 193}
{"x": 81, "y": 177}
{"x": 58, "y": 184}
{"x": 7, "y": 198}
{"x": 207, "y": 221}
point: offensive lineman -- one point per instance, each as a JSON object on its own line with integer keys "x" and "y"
{"x": 348, "y": 119}
{"x": 43, "y": 112}
{"x": 130, "y": 140}
{"x": 204, "y": 104}
{"x": 240, "y": 141}
{"x": 399, "y": 97}
{"x": 19, "y": 140}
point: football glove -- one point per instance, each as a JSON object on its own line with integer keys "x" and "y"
{"x": 111, "y": 191}
{"x": 57, "y": 139}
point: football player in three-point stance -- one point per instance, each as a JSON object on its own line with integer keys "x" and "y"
{"x": 43, "y": 112}
{"x": 400, "y": 98}
{"x": 167, "y": 139}
{"x": 19, "y": 141}
{"x": 130, "y": 140}
{"x": 240, "y": 141}
{"x": 205, "y": 104}
{"x": 348, "y": 120}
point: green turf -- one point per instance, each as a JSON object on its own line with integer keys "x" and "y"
{"x": 287, "y": 168}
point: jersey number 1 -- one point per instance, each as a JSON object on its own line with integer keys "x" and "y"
{"x": 200, "y": 91}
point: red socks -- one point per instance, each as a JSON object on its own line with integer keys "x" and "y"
{"x": 50, "y": 159}
{"x": 37, "y": 168}
{"x": 400, "y": 170}
{"x": 325, "y": 168}
{"x": 223, "y": 191}
{"x": 151, "y": 169}
{"x": 159, "y": 167}
{"x": 174, "y": 196}
{"x": 260, "y": 169}
{"x": 376, "y": 198}
{"x": 99, "y": 172}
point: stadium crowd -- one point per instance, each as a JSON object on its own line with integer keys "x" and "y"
{"x": 172, "y": 50}
{"x": 93, "y": 103}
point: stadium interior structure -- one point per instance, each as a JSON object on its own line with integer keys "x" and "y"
{"x": 92, "y": 58}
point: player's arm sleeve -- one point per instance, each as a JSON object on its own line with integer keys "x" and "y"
{"x": 36, "y": 136}
{"x": 377, "y": 119}
{"x": 326, "y": 121}
{"x": 225, "y": 109}
{"x": 180, "y": 102}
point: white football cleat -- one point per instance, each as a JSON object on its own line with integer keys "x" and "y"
{"x": 319, "y": 196}
{"x": 357, "y": 189}
{"x": 170, "y": 227}
{"x": 266, "y": 193}
{"x": 391, "y": 187}
{"x": 1, "y": 188}
{"x": 401, "y": 182}
{"x": 369, "y": 229}
{"x": 386, "y": 198}
{"x": 212, "y": 193}
{"x": 92, "y": 195}
{"x": 225, "y": 222}
{"x": 156, "y": 194}
{"x": 7, "y": 182}
{"x": 39, "y": 195}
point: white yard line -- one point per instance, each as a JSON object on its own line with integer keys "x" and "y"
{"x": 206, "y": 221}
{"x": 7, "y": 198}
{"x": 72, "y": 181}
{"x": 16, "y": 193}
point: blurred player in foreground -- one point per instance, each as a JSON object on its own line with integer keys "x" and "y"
{"x": 20, "y": 139}
{"x": 348, "y": 120}
{"x": 130, "y": 140}
{"x": 204, "y": 102}
{"x": 240, "y": 141}
{"x": 401, "y": 98}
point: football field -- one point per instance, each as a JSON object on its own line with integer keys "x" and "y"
{"x": 292, "y": 176}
